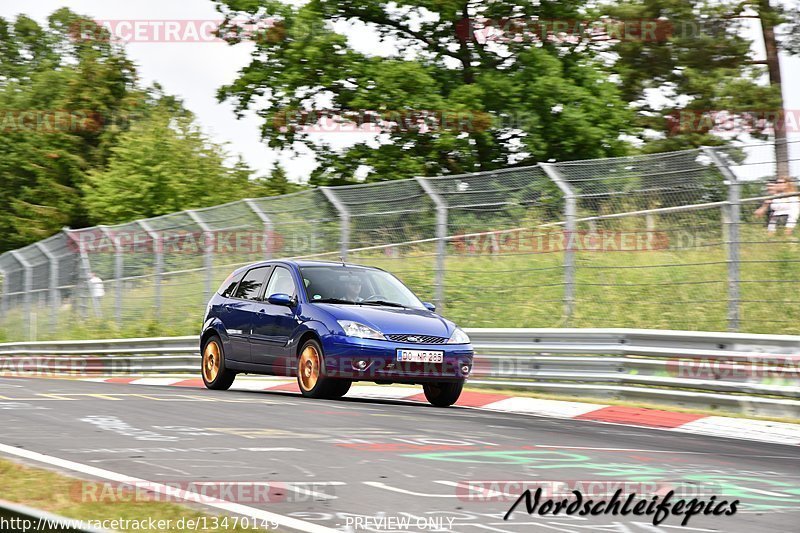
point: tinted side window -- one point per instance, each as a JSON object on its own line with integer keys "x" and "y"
{"x": 250, "y": 287}
{"x": 230, "y": 284}
{"x": 282, "y": 282}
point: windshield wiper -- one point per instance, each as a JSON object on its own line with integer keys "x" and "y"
{"x": 334, "y": 301}
{"x": 384, "y": 302}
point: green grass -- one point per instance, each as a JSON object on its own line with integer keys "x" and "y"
{"x": 62, "y": 495}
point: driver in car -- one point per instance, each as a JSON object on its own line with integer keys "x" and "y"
{"x": 353, "y": 289}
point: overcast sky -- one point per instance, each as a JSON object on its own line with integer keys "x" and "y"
{"x": 194, "y": 71}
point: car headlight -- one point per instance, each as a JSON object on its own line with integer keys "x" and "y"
{"x": 458, "y": 337}
{"x": 356, "y": 329}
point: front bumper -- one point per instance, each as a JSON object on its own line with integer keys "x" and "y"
{"x": 345, "y": 355}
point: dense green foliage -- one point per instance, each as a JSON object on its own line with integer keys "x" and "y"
{"x": 520, "y": 102}
{"x": 83, "y": 143}
{"x": 702, "y": 63}
{"x": 528, "y": 97}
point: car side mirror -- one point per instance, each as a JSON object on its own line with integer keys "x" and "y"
{"x": 280, "y": 298}
{"x": 429, "y": 306}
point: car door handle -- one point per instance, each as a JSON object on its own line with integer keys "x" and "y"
{"x": 262, "y": 311}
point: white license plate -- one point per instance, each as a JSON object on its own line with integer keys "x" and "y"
{"x": 420, "y": 356}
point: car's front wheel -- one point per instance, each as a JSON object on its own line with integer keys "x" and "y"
{"x": 311, "y": 375}
{"x": 443, "y": 394}
{"x": 215, "y": 375}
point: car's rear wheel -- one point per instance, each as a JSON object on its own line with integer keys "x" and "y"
{"x": 443, "y": 394}
{"x": 215, "y": 375}
{"x": 311, "y": 375}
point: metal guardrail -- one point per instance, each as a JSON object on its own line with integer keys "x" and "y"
{"x": 746, "y": 373}
{"x": 16, "y": 518}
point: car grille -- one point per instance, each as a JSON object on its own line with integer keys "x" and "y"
{"x": 416, "y": 339}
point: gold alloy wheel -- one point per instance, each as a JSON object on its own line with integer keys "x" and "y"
{"x": 309, "y": 367}
{"x": 211, "y": 361}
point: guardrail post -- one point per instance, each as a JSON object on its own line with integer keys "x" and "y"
{"x": 119, "y": 273}
{"x": 441, "y": 240}
{"x": 27, "y": 287}
{"x": 158, "y": 250}
{"x": 344, "y": 220}
{"x": 570, "y": 215}
{"x": 53, "y": 270}
{"x": 208, "y": 253}
{"x": 269, "y": 234}
{"x": 731, "y": 236}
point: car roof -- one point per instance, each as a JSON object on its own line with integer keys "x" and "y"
{"x": 305, "y": 263}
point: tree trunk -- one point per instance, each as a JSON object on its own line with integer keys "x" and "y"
{"x": 768, "y": 19}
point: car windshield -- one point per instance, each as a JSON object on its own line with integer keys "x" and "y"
{"x": 354, "y": 285}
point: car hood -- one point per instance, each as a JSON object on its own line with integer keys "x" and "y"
{"x": 393, "y": 319}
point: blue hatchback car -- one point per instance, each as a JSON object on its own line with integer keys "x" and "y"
{"x": 330, "y": 324}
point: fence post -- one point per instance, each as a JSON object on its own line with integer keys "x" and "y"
{"x": 84, "y": 269}
{"x": 86, "y": 275}
{"x": 344, "y": 219}
{"x": 441, "y": 240}
{"x": 54, "y": 300}
{"x": 119, "y": 273}
{"x": 158, "y": 250}
{"x": 4, "y": 295}
{"x": 27, "y": 287}
{"x": 571, "y": 215}
{"x": 208, "y": 254}
{"x": 731, "y": 235}
{"x": 269, "y": 234}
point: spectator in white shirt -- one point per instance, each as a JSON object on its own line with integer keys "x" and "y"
{"x": 96, "y": 287}
{"x": 764, "y": 208}
{"x": 784, "y": 210}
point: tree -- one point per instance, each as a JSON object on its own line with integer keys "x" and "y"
{"x": 705, "y": 65}
{"x": 163, "y": 164}
{"x": 446, "y": 100}
{"x": 58, "y": 90}
{"x": 274, "y": 184}
{"x": 770, "y": 18}
{"x": 82, "y": 142}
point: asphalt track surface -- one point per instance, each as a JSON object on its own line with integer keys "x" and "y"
{"x": 329, "y": 462}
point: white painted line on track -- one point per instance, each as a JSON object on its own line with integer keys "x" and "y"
{"x": 381, "y": 392}
{"x": 720, "y": 426}
{"x": 156, "y": 381}
{"x": 542, "y": 407}
{"x": 258, "y": 385}
{"x": 380, "y": 485}
{"x": 740, "y": 435}
{"x": 188, "y": 496}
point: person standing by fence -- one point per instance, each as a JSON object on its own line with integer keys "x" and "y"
{"x": 97, "y": 291}
{"x": 785, "y": 210}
